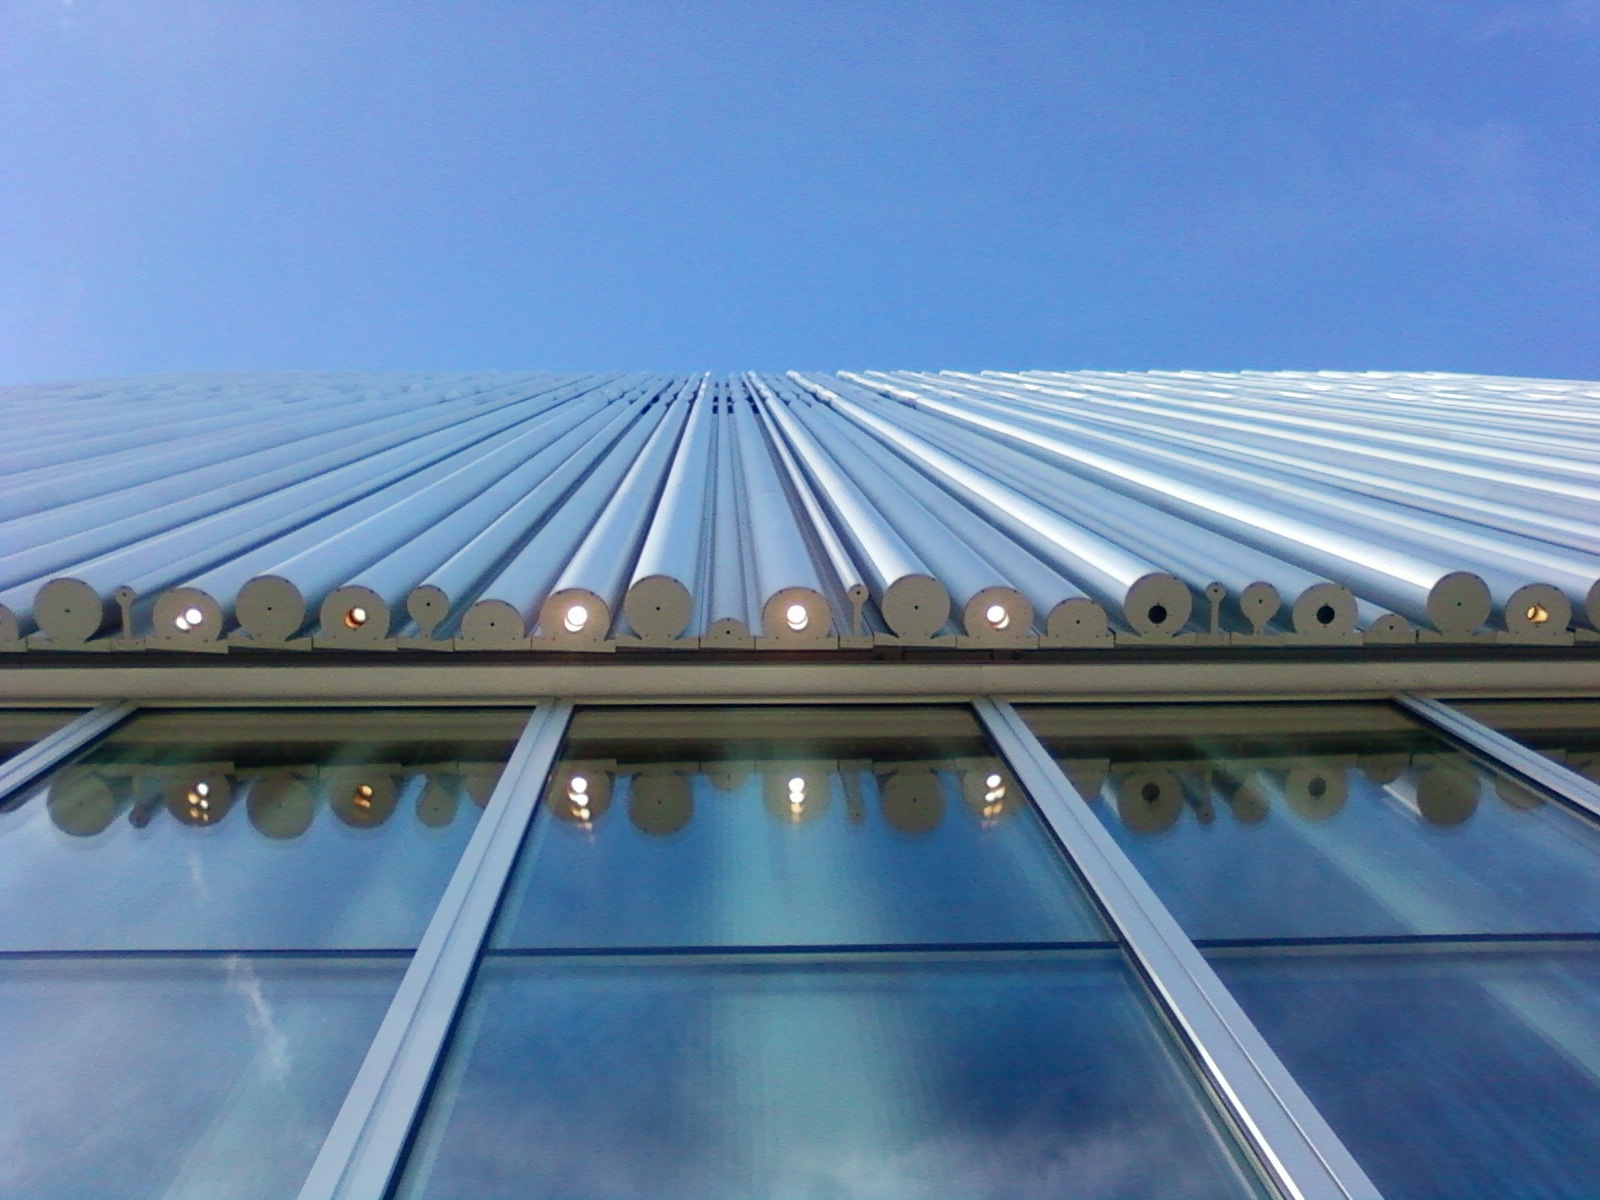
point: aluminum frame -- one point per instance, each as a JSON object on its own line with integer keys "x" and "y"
{"x": 1301, "y": 1154}
{"x": 52, "y": 749}
{"x": 1505, "y": 751}
{"x": 368, "y": 1138}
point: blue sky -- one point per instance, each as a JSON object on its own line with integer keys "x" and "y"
{"x": 1123, "y": 185}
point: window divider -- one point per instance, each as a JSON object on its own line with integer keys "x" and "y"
{"x": 1505, "y": 751}
{"x": 53, "y": 749}
{"x": 368, "y": 1138}
{"x": 1302, "y": 1156}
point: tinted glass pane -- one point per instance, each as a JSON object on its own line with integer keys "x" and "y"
{"x": 21, "y": 728}
{"x": 1467, "y": 1073}
{"x": 1565, "y": 730}
{"x": 249, "y": 830}
{"x": 181, "y": 1079}
{"x": 1324, "y": 821}
{"x": 1416, "y": 935}
{"x": 788, "y": 826}
{"x": 1039, "y": 1076}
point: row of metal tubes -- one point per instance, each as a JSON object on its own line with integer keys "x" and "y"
{"x": 1342, "y": 455}
{"x": 1400, "y": 416}
{"x": 296, "y": 509}
{"x": 1292, "y": 397}
{"x": 1383, "y": 571}
{"x": 1128, "y": 522}
{"x": 1384, "y": 521}
{"x": 149, "y": 425}
{"x": 1513, "y": 508}
{"x": 1289, "y": 1139}
{"x": 213, "y": 494}
{"x": 1268, "y": 408}
{"x": 73, "y": 500}
{"x": 1150, "y": 466}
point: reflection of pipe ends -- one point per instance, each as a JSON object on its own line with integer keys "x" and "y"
{"x": 1447, "y": 794}
{"x": 912, "y": 800}
{"x": 579, "y": 793}
{"x": 660, "y": 803}
{"x": 1149, "y": 801}
{"x": 1315, "y": 791}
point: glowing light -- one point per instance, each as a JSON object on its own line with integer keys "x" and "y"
{"x": 993, "y": 781}
{"x": 575, "y": 619}
{"x": 363, "y": 796}
{"x": 189, "y": 618}
{"x": 202, "y": 788}
{"x": 1538, "y": 614}
{"x": 797, "y": 617}
{"x": 355, "y": 618}
{"x": 579, "y": 784}
{"x": 997, "y": 616}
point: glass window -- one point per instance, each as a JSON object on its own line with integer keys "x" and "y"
{"x": 22, "y": 727}
{"x": 255, "y": 830}
{"x": 805, "y": 952}
{"x": 1417, "y": 935}
{"x": 203, "y": 918}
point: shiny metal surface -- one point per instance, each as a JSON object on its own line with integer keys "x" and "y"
{"x": 811, "y": 511}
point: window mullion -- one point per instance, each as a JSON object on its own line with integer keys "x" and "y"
{"x": 1304, "y": 1156}
{"x": 1505, "y": 751}
{"x": 52, "y": 750}
{"x": 367, "y": 1138}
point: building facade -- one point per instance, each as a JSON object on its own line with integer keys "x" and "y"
{"x": 801, "y": 785}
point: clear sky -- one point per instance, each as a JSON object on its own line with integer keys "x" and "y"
{"x": 211, "y": 184}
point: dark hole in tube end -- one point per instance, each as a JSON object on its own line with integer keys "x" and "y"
{"x": 1325, "y": 615}
{"x": 1158, "y": 614}
{"x": 1150, "y": 793}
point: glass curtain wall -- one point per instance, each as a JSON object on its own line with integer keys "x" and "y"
{"x": 786, "y": 952}
{"x": 1567, "y": 731}
{"x": 203, "y": 918}
{"x": 1415, "y": 933}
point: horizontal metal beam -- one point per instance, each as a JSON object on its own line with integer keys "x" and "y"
{"x": 1300, "y": 1152}
{"x": 355, "y": 681}
{"x": 55, "y": 748}
{"x": 363, "y": 1148}
{"x": 1506, "y": 752}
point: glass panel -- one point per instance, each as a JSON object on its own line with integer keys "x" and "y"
{"x": 1324, "y": 821}
{"x": 22, "y": 727}
{"x": 895, "y": 1077}
{"x": 1567, "y": 731}
{"x": 249, "y": 830}
{"x": 1417, "y": 935}
{"x": 788, "y": 826}
{"x": 604, "y": 1052}
{"x": 178, "y": 1078}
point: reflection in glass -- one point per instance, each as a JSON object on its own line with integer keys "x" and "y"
{"x": 186, "y": 1079}
{"x": 787, "y": 826}
{"x": 22, "y": 727}
{"x": 896, "y": 1078}
{"x": 1567, "y": 731}
{"x": 1418, "y": 936}
{"x": 249, "y": 830}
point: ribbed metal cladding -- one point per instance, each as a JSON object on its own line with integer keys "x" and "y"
{"x": 807, "y": 511}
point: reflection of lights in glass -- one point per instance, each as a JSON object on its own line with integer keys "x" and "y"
{"x": 203, "y": 788}
{"x": 579, "y": 784}
{"x": 189, "y": 618}
{"x": 355, "y": 618}
{"x": 575, "y": 619}
{"x": 993, "y": 781}
{"x": 997, "y": 616}
{"x": 797, "y": 795}
{"x": 363, "y": 796}
{"x": 796, "y": 617}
